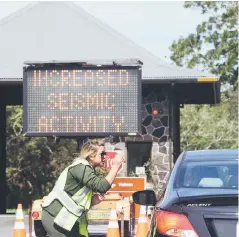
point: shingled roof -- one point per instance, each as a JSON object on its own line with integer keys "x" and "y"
{"x": 64, "y": 31}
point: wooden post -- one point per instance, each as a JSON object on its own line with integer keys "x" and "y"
{"x": 132, "y": 218}
{"x": 122, "y": 222}
{"x": 3, "y": 181}
{"x": 30, "y": 219}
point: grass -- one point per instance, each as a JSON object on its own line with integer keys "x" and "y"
{"x": 13, "y": 211}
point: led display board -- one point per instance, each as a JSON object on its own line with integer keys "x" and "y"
{"x": 65, "y": 100}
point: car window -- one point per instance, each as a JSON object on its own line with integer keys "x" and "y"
{"x": 216, "y": 174}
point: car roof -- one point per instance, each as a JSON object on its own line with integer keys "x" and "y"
{"x": 211, "y": 155}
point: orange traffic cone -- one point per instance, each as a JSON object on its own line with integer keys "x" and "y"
{"x": 142, "y": 227}
{"x": 19, "y": 227}
{"x": 113, "y": 227}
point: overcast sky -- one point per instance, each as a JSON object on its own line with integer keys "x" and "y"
{"x": 153, "y": 25}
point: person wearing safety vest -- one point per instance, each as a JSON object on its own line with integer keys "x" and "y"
{"x": 77, "y": 189}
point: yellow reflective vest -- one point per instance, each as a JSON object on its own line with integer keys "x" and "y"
{"x": 74, "y": 207}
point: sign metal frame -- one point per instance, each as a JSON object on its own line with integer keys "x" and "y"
{"x": 77, "y": 66}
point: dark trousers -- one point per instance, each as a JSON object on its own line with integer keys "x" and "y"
{"x": 54, "y": 230}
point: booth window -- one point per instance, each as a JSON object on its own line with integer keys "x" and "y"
{"x": 138, "y": 154}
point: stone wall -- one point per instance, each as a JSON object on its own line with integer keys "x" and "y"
{"x": 155, "y": 128}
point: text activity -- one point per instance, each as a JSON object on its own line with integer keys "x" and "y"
{"x": 79, "y": 123}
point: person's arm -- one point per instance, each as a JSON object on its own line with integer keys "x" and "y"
{"x": 96, "y": 199}
{"x": 85, "y": 176}
{"x": 97, "y": 184}
{"x": 112, "y": 174}
{"x": 117, "y": 162}
{"x": 93, "y": 182}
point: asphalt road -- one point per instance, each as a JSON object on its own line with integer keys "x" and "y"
{"x": 7, "y": 225}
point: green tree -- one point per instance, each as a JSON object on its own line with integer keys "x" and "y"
{"x": 33, "y": 164}
{"x": 214, "y": 44}
{"x": 213, "y": 47}
{"x": 209, "y": 127}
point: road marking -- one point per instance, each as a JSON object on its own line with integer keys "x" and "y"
{"x": 33, "y": 234}
{"x": 11, "y": 216}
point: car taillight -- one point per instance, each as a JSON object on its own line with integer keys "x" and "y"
{"x": 35, "y": 215}
{"x": 174, "y": 225}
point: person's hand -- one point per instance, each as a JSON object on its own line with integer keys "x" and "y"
{"x": 97, "y": 199}
{"x": 119, "y": 159}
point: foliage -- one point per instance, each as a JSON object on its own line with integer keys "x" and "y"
{"x": 232, "y": 98}
{"x": 33, "y": 164}
{"x": 210, "y": 127}
{"x": 149, "y": 168}
{"x": 214, "y": 45}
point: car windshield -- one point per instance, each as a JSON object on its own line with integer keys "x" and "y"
{"x": 216, "y": 174}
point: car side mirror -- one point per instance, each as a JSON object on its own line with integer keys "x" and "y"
{"x": 145, "y": 198}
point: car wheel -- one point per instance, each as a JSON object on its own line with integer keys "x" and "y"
{"x": 39, "y": 229}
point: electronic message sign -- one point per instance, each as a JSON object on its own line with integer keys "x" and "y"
{"x": 81, "y": 100}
